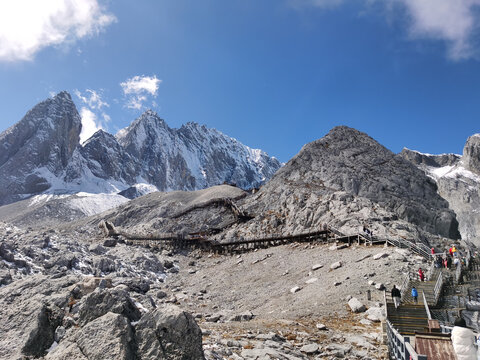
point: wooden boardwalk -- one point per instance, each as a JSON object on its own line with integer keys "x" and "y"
{"x": 205, "y": 241}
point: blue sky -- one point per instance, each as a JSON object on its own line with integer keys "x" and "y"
{"x": 275, "y": 74}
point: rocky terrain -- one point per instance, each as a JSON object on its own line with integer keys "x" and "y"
{"x": 42, "y": 154}
{"x": 71, "y": 295}
{"x": 458, "y": 181}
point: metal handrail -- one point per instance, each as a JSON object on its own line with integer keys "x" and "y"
{"x": 458, "y": 272}
{"x": 404, "y": 285}
{"x": 438, "y": 287}
{"x": 385, "y": 303}
{"x": 426, "y": 306}
{"x": 399, "y": 347}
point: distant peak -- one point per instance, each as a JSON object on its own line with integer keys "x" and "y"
{"x": 63, "y": 95}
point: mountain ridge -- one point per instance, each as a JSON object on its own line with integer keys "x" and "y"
{"x": 46, "y": 144}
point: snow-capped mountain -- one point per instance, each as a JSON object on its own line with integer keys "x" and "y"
{"x": 42, "y": 154}
{"x": 458, "y": 181}
{"x": 192, "y": 157}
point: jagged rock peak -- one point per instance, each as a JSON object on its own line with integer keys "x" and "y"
{"x": 419, "y": 158}
{"x": 348, "y": 160}
{"x": 148, "y": 120}
{"x": 471, "y": 154}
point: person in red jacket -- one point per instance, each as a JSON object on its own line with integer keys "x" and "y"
{"x": 421, "y": 275}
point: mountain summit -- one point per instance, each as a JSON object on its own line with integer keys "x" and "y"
{"x": 42, "y": 153}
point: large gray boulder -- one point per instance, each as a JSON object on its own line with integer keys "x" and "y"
{"x": 169, "y": 333}
{"x": 102, "y": 301}
{"x": 30, "y": 311}
{"x": 107, "y": 337}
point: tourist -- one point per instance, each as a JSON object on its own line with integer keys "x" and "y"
{"x": 396, "y": 296}
{"x": 415, "y": 295}
{"x": 463, "y": 341}
{"x": 421, "y": 275}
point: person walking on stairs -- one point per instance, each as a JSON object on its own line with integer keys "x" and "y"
{"x": 463, "y": 341}
{"x": 415, "y": 295}
{"x": 396, "y": 296}
{"x": 421, "y": 275}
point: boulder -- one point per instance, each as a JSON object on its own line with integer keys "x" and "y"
{"x": 101, "y": 301}
{"x": 295, "y": 289}
{"x": 335, "y": 265}
{"x": 379, "y": 256}
{"x": 321, "y": 326}
{"x": 245, "y": 316}
{"x": 356, "y": 306}
{"x": 310, "y": 349}
{"x": 379, "y": 286}
{"x": 375, "y": 314}
{"x": 107, "y": 337}
{"x": 169, "y": 333}
{"x": 317, "y": 266}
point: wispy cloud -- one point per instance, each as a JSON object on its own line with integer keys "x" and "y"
{"x": 93, "y": 116}
{"x": 92, "y": 98}
{"x": 452, "y": 21}
{"x": 139, "y": 89}
{"x": 28, "y": 26}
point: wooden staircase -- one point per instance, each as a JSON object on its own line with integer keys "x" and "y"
{"x": 408, "y": 318}
{"x": 422, "y": 286}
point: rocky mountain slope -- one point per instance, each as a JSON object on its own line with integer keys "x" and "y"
{"x": 458, "y": 181}
{"x": 42, "y": 154}
{"x": 347, "y": 180}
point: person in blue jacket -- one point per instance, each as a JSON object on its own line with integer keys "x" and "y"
{"x": 414, "y": 295}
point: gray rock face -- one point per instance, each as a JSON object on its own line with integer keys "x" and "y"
{"x": 169, "y": 333}
{"x": 458, "y": 182}
{"x": 163, "y": 154}
{"x": 39, "y": 146}
{"x": 347, "y": 179}
{"x": 471, "y": 154}
{"x": 104, "y": 158}
{"x": 418, "y": 158}
{"x": 100, "y": 302}
{"x": 116, "y": 337}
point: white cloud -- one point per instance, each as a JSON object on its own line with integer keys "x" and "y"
{"x": 93, "y": 117}
{"x": 27, "y": 26}
{"x": 138, "y": 89}
{"x": 92, "y": 98}
{"x": 452, "y": 21}
{"x": 90, "y": 124}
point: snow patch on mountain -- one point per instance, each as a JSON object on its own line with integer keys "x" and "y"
{"x": 91, "y": 204}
